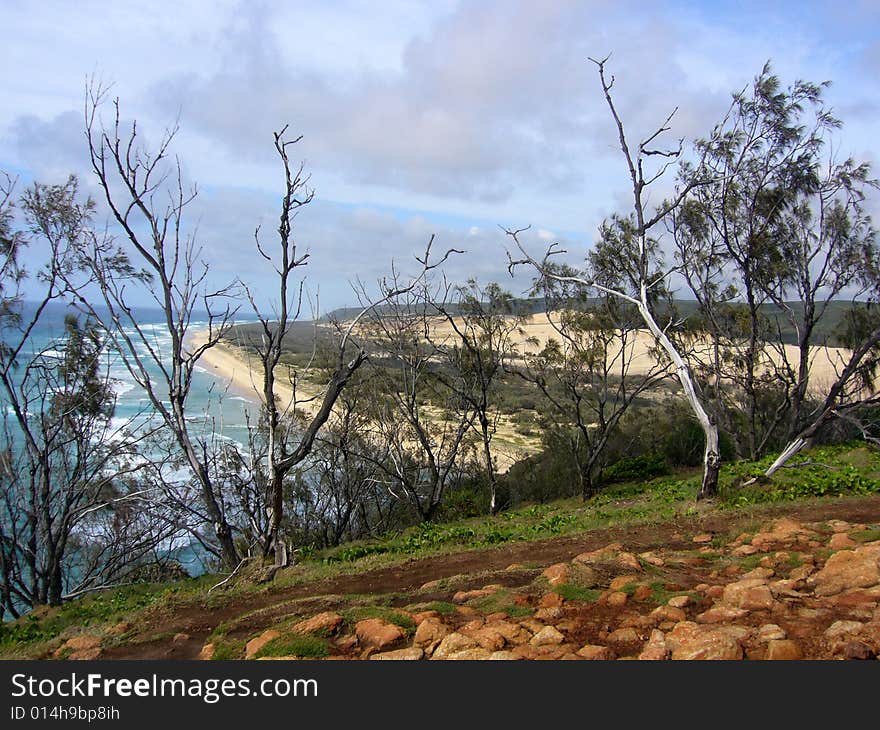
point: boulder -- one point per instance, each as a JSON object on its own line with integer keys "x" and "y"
{"x": 207, "y": 652}
{"x": 846, "y": 569}
{"x": 548, "y": 636}
{"x": 720, "y": 614}
{"x": 453, "y": 643}
{"x": 254, "y": 645}
{"x": 751, "y": 594}
{"x": 595, "y": 652}
{"x": 376, "y": 633}
{"x": 326, "y": 622}
{"x": 411, "y": 654}
{"x": 429, "y": 631}
{"x": 771, "y": 632}
{"x": 556, "y": 574}
{"x": 655, "y": 648}
{"x": 784, "y": 650}
{"x": 709, "y": 645}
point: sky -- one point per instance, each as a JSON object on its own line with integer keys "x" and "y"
{"x": 456, "y": 119}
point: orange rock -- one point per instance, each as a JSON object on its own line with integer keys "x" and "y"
{"x": 783, "y": 649}
{"x": 207, "y": 652}
{"x": 596, "y": 652}
{"x": 556, "y": 574}
{"x": 325, "y": 622}
{"x": 376, "y": 633}
{"x": 254, "y": 645}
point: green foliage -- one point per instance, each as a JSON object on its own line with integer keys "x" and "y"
{"x": 360, "y": 613}
{"x": 572, "y": 592}
{"x": 636, "y": 468}
{"x": 306, "y": 646}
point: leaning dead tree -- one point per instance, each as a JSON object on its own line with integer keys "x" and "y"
{"x": 637, "y": 277}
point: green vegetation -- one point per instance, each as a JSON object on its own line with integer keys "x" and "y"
{"x": 305, "y": 646}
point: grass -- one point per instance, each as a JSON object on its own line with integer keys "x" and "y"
{"x": 571, "y": 592}
{"x": 845, "y": 470}
{"x": 305, "y": 646}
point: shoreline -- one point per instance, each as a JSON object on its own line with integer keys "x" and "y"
{"x": 230, "y": 365}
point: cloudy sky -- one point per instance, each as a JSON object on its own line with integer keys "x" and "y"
{"x": 446, "y": 117}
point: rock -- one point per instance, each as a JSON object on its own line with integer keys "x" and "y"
{"x": 465, "y": 596}
{"x": 679, "y": 601}
{"x": 744, "y": 550}
{"x": 548, "y": 636}
{"x": 86, "y": 655}
{"x": 714, "y": 592}
{"x": 839, "y": 525}
{"x": 180, "y": 638}
{"x": 802, "y": 572}
{"x": 467, "y": 655}
{"x": 709, "y": 645}
{"x": 668, "y": 613}
{"x": 616, "y": 598}
{"x": 843, "y": 628}
{"x": 655, "y": 648}
{"x": 488, "y": 638}
{"x": 642, "y": 592}
{"x": 531, "y": 624}
{"x": 323, "y": 622}
{"x": 628, "y": 560}
{"x": 551, "y": 600}
{"x": 502, "y": 656}
{"x": 784, "y": 650}
{"x": 622, "y": 581}
{"x": 652, "y": 559}
{"x": 858, "y": 650}
{"x": 123, "y": 627}
{"x": 702, "y": 538}
{"x": 472, "y": 625}
{"x": 604, "y": 554}
{"x": 751, "y": 594}
{"x": 623, "y": 636}
{"x": 411, "y": 654}
{"x": 841, "y": 540}
{"x": 346, "y": 643}
{"x": 548, "y": 614}
{"x": 515, "y": 566}
{"x": 83, "y": 642}
{"x": 254, "y": 645}
{"x": 595, "y": 652}
{"x": 859, "y": 568}
{"x": 377, "y": 634}
{"x": 771, "y": 632}
{"x": 512, "y": 633}
{"x": 432, "y": 585}
{"x": 758, "y": 573}
{"x": 429, "y": 631}
{"x": 453, "y": 643}
{"x": 721, "y": 613}
{"x": 556, "y": 574}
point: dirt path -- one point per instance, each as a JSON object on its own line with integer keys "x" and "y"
{"x": 198, "y": 621}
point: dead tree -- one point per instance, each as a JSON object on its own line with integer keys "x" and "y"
{"x": 639, "y": 267}
{"x": 147, "y": 199}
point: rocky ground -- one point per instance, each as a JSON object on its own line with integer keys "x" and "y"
{"x": 789, "y": 589}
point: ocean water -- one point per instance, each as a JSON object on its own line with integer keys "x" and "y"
{"x": 213, "y": 409}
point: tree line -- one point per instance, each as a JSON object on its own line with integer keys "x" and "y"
{"x": 761, "y": 225}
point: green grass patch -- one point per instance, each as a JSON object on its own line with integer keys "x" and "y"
{"x": 298, "y": 645}
{"x": 571, "y": 592}
{"x": 519, "y": 611}
{"x": 444, "y": 608}
{"x": 866, "y": 535}
{"x": 228, "y": 650}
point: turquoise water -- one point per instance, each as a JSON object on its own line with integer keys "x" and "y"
{"x": 213, "y": 410}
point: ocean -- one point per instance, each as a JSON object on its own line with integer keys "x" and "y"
{"x": 213, "y": 409}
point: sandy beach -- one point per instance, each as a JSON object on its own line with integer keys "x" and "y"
{"x": 243, "y": 374}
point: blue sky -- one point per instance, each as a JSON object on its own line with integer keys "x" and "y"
{"x": 446, "y": 118}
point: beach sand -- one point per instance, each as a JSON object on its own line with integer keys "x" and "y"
{"x": 243, "y": 373}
